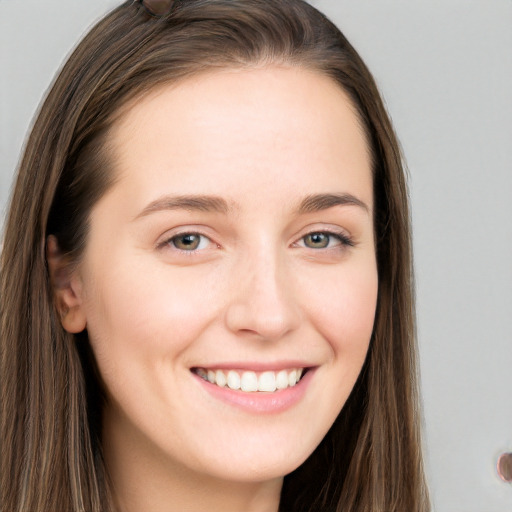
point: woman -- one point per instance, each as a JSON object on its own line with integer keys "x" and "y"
{"x": 207, "y": 299}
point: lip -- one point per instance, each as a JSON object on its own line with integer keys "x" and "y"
{"x": 258, "y": 366}
{"x": 259, "y": 402}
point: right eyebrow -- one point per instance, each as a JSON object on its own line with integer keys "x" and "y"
{"x": 319, "y": 202}
{"x": 198, "y": 203}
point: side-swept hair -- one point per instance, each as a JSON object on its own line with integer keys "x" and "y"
{"x": 370, "y": 460}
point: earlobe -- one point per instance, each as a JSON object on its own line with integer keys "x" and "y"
{"x": 66, "y": 288}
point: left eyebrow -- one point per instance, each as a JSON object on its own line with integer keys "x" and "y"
{"x": 318, "y": 202}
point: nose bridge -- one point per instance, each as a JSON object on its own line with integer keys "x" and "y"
{"x": 263, "y": 300}
{"x": 267, "y": 281}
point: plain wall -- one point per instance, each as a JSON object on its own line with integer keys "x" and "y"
{"x": 445, "y": 70}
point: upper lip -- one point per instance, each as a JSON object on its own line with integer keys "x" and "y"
{"x": 256, "y": 366}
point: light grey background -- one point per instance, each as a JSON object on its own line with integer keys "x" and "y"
{"x": 445, "y": 70}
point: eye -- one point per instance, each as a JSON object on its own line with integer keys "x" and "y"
{"x": 325, "y": 240}
{"x": 189, "y": 242}
{"x": 317, "y": 240}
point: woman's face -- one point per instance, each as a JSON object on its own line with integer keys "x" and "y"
{"x": 236, "y": 246}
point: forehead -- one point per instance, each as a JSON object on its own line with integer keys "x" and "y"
{"x": 240, "y": 131}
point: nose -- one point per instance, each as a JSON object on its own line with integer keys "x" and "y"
{"x": 263, "y": 303}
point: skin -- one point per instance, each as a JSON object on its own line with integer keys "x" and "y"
{"x": 255, "y": 291}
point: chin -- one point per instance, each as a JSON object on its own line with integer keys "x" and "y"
{"x": 258, "y": 461}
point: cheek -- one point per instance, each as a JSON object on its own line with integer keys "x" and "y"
{"x": 138, "y": 315}
{"x": 343, "y": 309}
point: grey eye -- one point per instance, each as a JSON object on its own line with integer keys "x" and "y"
{"x": 317, "y": 240}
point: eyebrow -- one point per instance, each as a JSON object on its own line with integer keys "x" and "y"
{"x": 318, "y": 202}
{"x": 200, "y": 203}
{"x": 190, "y": 203}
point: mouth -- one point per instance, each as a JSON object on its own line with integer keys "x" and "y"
{"x": 252, "y": 381}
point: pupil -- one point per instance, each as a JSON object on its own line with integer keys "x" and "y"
{"x": 318, "y": 239}
{"x": 188, "y": 239}
{"x": 187, "y": 242}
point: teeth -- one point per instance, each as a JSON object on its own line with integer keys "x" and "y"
{"x": 282, "y": 380}
{"x": 233, "y": 380}
{"x": 220, "y": 378}
{"x": 251, "y": 382}
{"x": 267, "y": 382}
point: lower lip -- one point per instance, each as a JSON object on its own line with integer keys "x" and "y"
{"x": 260, "y": 402}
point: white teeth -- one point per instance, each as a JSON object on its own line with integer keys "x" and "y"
{"x": 267, "y": 382}
{"x": 233, "y": 380}
{"x": 282, "y": 380}
{"x": 220, "y": 378}
{"x": 251, "y": 382}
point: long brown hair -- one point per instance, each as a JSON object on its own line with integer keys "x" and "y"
{"x": 51, "y": 397}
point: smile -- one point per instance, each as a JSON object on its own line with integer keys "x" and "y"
{"x": 250, "y": 381}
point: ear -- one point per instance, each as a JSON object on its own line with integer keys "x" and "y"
{"x": 67, "y": 288}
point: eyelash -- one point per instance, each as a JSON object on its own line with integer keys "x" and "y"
{"x": 344, "y": 240}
